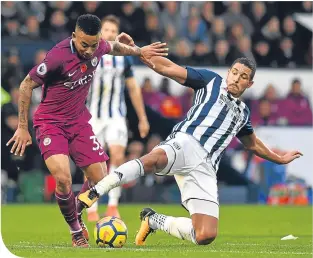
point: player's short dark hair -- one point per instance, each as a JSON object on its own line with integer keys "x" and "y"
{"x": 113, "y": 19}
{"x": 89, "y": 24}
{"x": 246, "y": 62}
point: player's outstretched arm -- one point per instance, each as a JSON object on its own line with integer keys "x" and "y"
{"x": 253, "y": 143}
{"x": 167, "y": 68}
{"x": 22, "y": 138}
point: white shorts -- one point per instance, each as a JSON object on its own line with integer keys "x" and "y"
{"x": 194, "y": 173}
{"x": 110, "y": 131}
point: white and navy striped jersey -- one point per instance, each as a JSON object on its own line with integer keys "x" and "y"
{"x": 216, "y": 117}
{"x": 106, "y": 96}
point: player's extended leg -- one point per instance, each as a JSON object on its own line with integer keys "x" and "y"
{"x": 59, "y": 167}
{"x": 153, "y": 162}
{"x": 117, "y": 157}
{"x": 201, "y": 229}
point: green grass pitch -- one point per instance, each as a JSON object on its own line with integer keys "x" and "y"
{"x": 244, "y": 231}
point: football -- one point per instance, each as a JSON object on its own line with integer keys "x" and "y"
{"x": 110, "y": 232}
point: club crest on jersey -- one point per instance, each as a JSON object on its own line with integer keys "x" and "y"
{"x": 46, "y": 141}
{"x": 94, "y": 61}
{"x": 42, "y": 69}
{"x": 83, "y": 68}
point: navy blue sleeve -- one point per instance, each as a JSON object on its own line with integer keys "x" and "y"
{"x": 247, "y": 129}
{"x": 128, "y": 72}
{"x": 198, "y": 78}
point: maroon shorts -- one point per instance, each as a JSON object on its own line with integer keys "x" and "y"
{"x": 75, "y": 140}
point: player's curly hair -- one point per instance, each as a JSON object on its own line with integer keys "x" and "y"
{"x": 246, "y": 62}
{"x": 89, "y": 24}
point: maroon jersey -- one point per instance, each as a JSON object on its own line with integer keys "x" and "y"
{"x": 65, "y": 79}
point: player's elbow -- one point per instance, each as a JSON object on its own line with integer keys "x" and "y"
{"x": 205, "y": 237}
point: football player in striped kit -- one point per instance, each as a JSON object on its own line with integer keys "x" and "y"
{"x": 193, "y": 150}
{"x": 108, "y": 109}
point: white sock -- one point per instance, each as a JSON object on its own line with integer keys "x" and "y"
{"x": 115, "y": 193}
{"x": 125, "y": 173}
{"x": 178, "y": 227}
{"x": 93, "y": 208}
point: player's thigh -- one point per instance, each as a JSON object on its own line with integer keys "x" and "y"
{"x": 116, "y": 133}
{"x": 85, "y": 149}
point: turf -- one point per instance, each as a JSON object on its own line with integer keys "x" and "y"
{"x": 245, "y": 231}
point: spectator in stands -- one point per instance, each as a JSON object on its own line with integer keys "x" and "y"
{"x": 149, "y": 6}
{"x": 182, "y": 52}
{"x": 236, "y": 33}
{"x": 153, "y": 32}
{"x": 151, "y": 96}
{"x": 58, "y": 26}
{"x": 235, "y": 15}
{"x": 196, "y": 31}
{"x": 222, "y": 54}
{"x": 286, "y": 56}
{"x": 271, "y": 30}
{"x": 11, "y": 10}
{"x": 11, "y": 28}
{"x": 244, "y": 48}
{"x": 298, "y": 105}
{"x": 306, "y": 7}
{"x": 262, "y": 54}
{"x": 133, "y": 21}
{"x": 170, "y": 37}
{"x": 207, "y": 14}
{"x": 258, "y": 15}
{"x": 218, "y": 30}
{"x": 264, "y": 115}
{"x": 135, "y": 150}
{"x": 201, "y": 54}
{"x": 31, "y": 29}
{"x": 171, "y": 15}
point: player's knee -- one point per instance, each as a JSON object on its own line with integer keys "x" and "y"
{"x": 150, "y": 162}
{"x": 205, "y": 236}
{"x": 63, "y": 179}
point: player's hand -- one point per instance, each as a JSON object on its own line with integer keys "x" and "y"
{"x": 125, "y": 39}
{"x": 143, "y": 127}
{"x": 21, "y": 139}
{"x": 290, "y": 156}
{"x": 154, "y": 49}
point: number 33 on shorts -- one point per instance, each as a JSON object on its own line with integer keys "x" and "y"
{"x": 97, "y": 145}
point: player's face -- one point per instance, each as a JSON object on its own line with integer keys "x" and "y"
{"x": 238, "y": 79}
{"x": 109, "y": 31}
{"x": 86, "y": 45}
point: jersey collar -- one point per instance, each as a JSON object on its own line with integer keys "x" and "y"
{"x": 72, "y": 47}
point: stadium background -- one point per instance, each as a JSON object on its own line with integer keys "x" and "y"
{"x": 210, "y": 34}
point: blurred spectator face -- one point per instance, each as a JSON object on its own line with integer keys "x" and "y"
{"x": 32, "y": 24}
{"x": 109, "y": 31}
{"x": 218, "y": 26}
{"x": 262, "y": 48}
{"x": 270, "y": 93}
{"x": 193, "y": 11}
{"x": 238, "y": 79}
{"x": 13, "y": 57}
{"x": 153, "y": 141}
{"x": 201, "y": 49}
{"x": 90, "y": 6}
{"x": 289, "y": 25}
{"x": 128, "y": 8}
{"x": 237, "y": 30}
{"x": 135, "y": 150}
{"x": 40, "y": 56}
{"x": 207, "y": 9}
{"x": 286, "y": 44}
{"x": 61, "y": 5}
{"x": 147, "y": 85}
{"x": 258, "y": 9}
{"x": 265, "y": 108}
{"x": 183, "y": 49}
{"x": 296, "y": 88}
{"x": 12, "y": 26}
{"x": 170, "y": 33}
{"x": 171, "y": 7}
{"x": 193, "y": 24}
{"x": 235, "y": 7}
{"x": 58, "y": 19}
{"x": 165, "y": 85}
{"x": 221, "y": 48}
{"x": 307, "y": 5}
{"x": 152, "y": 22}
{"x": 273, "y": 24}
{"x": 244, "y": 44}
{"x": 15, "y": 95}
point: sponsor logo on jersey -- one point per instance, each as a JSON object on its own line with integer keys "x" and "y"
{"x": 46, "y": 141}
{"x": 94, "y": 61}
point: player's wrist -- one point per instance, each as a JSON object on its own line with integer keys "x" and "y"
{"x": 23, "y": 126}
{"x": 143, "y": 118}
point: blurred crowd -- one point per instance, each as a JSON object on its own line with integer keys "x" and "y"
{"x": 198, "y": 33}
